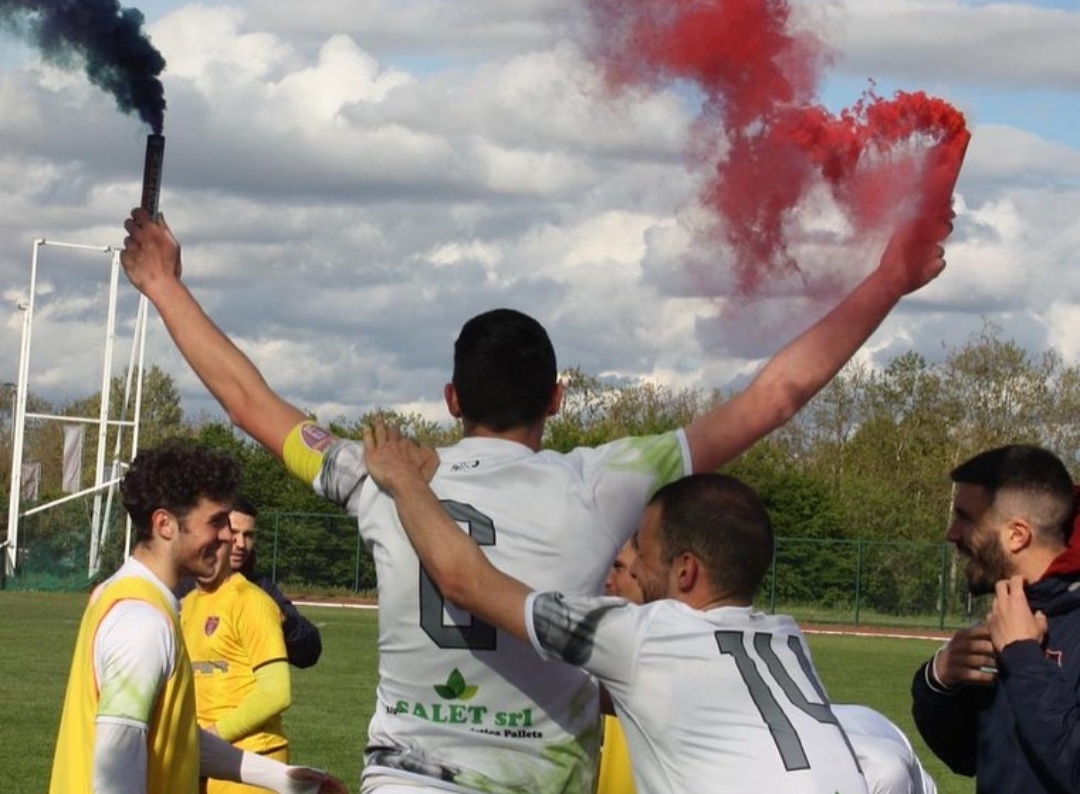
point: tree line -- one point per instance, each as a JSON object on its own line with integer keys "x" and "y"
{"x": 867, "y": 459}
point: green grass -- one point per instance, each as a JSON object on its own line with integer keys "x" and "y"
{"x": 333, "y": 701}
{"x": 877, "y": 671}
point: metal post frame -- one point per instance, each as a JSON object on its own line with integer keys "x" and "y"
{"x": 104, "y": 485}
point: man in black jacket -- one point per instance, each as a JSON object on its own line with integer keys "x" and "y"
{"x": 302, "y": 640}
{"x": 1001, "y": 701}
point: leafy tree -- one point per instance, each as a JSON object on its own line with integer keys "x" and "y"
{"x": 595, "y": 410}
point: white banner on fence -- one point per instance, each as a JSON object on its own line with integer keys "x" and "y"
{"x": 30, "y": 480}
{"x": 73, "y": 445}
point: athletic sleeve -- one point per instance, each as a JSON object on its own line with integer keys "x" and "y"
{"x": 598, "y": 634}
{"x": 622, "y": 475}
{"x": 119, "y": 759}
{"x": 333, "y": 467}
{"x": 134, "y": 650}
{"x": 258, "y": 625}
{"x": 271, "y": 695}
{"x": 660, "y": 459}
{"x": 222, "y": 761}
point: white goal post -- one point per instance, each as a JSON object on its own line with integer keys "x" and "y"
{"x": 107, "y": 474}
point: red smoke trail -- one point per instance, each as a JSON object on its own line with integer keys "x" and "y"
{"x": 881, "y": 161}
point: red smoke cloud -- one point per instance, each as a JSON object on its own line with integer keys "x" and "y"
{"x": 881, "y": 162}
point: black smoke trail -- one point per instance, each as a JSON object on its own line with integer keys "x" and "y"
{"x": 107, "y": 39}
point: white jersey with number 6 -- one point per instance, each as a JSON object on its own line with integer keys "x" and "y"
{"x": 459, "y": 705}
{"x": 724, "y": 700}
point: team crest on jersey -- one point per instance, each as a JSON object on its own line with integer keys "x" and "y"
{"x": 1057, "y": 657}
{"x": 211, "y": 625}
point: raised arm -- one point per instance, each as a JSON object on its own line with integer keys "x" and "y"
{"x": 151, "y": 260}
{"x": 805, "y": 365}
{"x": 451, "y": 558}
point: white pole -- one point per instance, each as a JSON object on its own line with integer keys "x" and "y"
{"x": 141, "y": 320}
{"x": 11, "y": 557}
{"x": 135, "y": 364}
{"x": 103, "y": 416}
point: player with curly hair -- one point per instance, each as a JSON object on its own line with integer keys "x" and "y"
{"x": 128, "y": 725}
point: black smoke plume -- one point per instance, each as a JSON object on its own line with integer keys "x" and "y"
{"x": 107, "y": 39}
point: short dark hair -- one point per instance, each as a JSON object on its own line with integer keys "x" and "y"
{"x": 175, "y": 476}
{"x": 721, "y": 521}
{"x": 504, "y": 370}
{"x": 1034, "y": 472}
{"x": 242, "y": 504}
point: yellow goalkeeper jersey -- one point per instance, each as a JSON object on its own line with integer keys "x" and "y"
{"x": 230, "y": 633}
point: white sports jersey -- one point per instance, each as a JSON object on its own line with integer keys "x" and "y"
{"x": 888, "y": 760}
{"x": 725, "y": 700}
{"x": 457, "y": 701}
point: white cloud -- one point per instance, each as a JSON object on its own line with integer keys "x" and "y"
{"x": 352, "y": 182}
{"x": 1010, "y": 44}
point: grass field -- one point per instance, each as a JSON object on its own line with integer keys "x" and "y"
{"x": 333, "y": 701}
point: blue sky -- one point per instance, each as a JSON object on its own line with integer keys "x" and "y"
{"x": 353, "y": 182}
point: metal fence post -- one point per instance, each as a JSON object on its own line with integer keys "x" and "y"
{"x": 944, "y": 579}
{"x": 273, "y": 561}
{"x": 858, "y": 578}
{"x": 356, "y": 575}
{"x": 772, "y": 579}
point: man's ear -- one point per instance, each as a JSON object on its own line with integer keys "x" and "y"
{"x": 452, "y": 404}
{"x": 1018, "y": 535}
{"x": 555, "y": 403}
{"x": 685, "y": 568}
{"x": 163, "y": 524}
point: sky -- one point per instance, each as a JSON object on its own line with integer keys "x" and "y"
{"x": 351, "y": 183}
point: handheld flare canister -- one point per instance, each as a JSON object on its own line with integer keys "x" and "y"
{"x": 151, "y": 186}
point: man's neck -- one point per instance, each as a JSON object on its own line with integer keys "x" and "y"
{"x": 705, "y": 603}
{"x": 211, "y": 585}
{"x": 530, "y": 436}
{"x": 159, "y": 565}
{"x": 1034, "y": 565}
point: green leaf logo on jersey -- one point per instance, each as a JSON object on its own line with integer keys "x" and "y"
{"x": 455, "y": 688}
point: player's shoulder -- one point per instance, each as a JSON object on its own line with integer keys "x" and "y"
{"x": 247, "y": 595}
{"x": 662, "y": 452}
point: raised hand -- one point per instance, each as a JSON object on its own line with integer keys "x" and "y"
{"x": 914, "y": 256}
{"x": 151, "y": 252}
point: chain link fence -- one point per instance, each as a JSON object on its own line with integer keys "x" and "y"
{"x": 854, "y": 582}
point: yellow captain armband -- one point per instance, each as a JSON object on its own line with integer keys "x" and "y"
{"x": 304, "y": 448}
